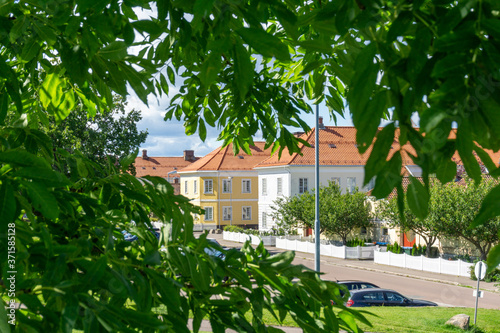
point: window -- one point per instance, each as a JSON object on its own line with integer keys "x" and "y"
{"x": 246, "y": 213}
{"x": 209, "y": 186}
{"x": 227, "y": 186}
{"x": 279, "y": 187}
{"x": 385, "y": 231}
{"x": 209, "y": 213}
{"x": 246, "y": 186}
{"x": 227, "y": 212}
{"x": 363, "y": 230}
{"x": 264, "y": 220}
{"x": 336, "y": 180}
{"x": 264, "y": 186}
{"x": 370, "y": 185}
{"x": 195, "y": 187}
{"x": 302, "y": 185}
{"x": 393, "y": 297}
{"x": 185, "y": 186}
{"x": 351, "y": 184}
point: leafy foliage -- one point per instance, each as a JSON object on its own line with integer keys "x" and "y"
{"x": 453, "y": 208}
{"x": 451, "y": 212}
{"x": 339, "y": 213}
{"x": 74, "y": 268}
{"x": 112, "y": 134}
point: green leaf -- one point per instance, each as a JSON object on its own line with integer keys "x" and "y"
{"x": 202, "y": 130}
{"x": 493, "y": 260}
{"x": 465, "y": 146}
{"x": 47, "y": 176}
{"x": 266, "y": 44}
{"x": 210, "y": 69}
{"x": 22, "y": 158}
{"x": 4, "y": 325}
{"x": 30, "y": 49}
{"x": 366, "y": 128}
{"x": 380, "y": 151}
{"x": 51, "y": 90}
{"x": 363, "y": 81}
{"x": 43, "y": 200}
{"x": 450, "y": 64}
{"x": 243, "y": 71}
{"x": 490, "y": 207}
{"x": 8, "y": 203}
{"x": 116, "y": 50}
{"x": 418, "y": 198}
{"x": 171, "y": 75}
{"x": 45, "y": 32}
{"x": 69, "y": 314}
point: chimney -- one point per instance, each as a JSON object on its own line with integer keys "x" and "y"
{"x": 145, "y": 154}
{"x": 320, "y": 123}
{"x": 189, "y": 155}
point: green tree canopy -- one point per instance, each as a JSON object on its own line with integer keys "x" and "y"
{"x": 453, "y": 207}
{"x": 112, "y": 134}
{"x": 339, "y": 214}
{"x": 388, "y": 210}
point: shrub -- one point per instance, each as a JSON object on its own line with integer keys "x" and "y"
{"x": 493, "y": 276}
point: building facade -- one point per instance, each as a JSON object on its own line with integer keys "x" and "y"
{"x": 225, "y": 186}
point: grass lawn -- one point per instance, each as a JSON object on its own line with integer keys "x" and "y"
{"x": 418, "y": 320}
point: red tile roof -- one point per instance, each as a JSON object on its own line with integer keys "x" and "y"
{"x": 160, "y": 166}
{"x": 224, "y": 159}
{"x": 337, "y": 146}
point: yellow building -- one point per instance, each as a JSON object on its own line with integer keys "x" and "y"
{"x": 225, "y": 186}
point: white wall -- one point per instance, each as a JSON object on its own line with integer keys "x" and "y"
{"x": 291, "y": 176}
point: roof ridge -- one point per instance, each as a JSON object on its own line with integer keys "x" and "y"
{"x": 223, "y": 157}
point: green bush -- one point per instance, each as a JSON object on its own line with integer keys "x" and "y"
{"x": 493, "y": 276}
{"x": 233, "y": 228}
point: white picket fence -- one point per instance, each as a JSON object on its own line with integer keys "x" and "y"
{"x": 343, "y": 252}
{"x": 242, "y": 238}
{"x": 434, "y": 265}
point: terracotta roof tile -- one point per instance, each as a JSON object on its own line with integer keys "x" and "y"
{"x": 224, "y": 159}
{"x": 160, "y": 166}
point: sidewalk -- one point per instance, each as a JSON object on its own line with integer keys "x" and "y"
{"x": 371, "y": 266}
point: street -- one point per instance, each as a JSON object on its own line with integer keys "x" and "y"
{"x": 446, "y": 290}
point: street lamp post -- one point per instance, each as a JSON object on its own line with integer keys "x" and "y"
{"x": 231, "y": 199}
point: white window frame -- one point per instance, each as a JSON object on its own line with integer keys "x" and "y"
{"x": 209, "y": 216}
{"x": 227, "y": 211}
{"x": 227, "y": 186}
{"x": 264, "y": 186}
{"x": 350, "y": 186}
{"x": 195, "y": 186}
{"x": 337, "y": 180}
{"x": 279, "y": 186}
{"x": 208, "y": 189}
{"x": 246, "y": 186}
{"x": 246, "y": 213}
{"x": 186, "y": 190}
{"x": 264, "y": 220}
{"x": 303, "y": 185}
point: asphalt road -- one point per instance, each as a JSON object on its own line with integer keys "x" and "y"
{"x": 442, "y": 293}
{"x": 444, "y": 290}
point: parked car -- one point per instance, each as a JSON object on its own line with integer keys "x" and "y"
{"x": 383, "y": 297}
{"x": 357, "y": 285}
{"x": 213, "y": 249}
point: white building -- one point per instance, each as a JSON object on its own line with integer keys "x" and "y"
{"x": 294, "y": 174}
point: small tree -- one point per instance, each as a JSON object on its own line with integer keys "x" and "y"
{"x": 388, "y": 210}
{"x": 340, "y": 213}
{"x": 454, "y": 206}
